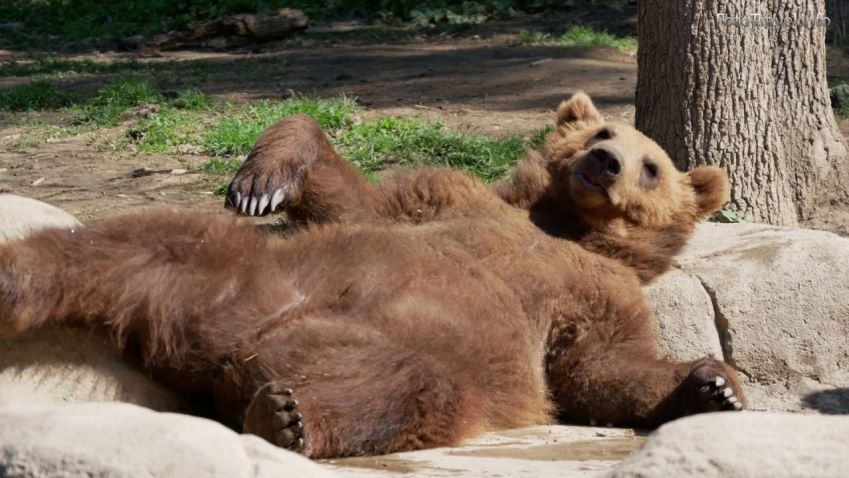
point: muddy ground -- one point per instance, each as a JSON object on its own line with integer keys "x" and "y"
{"x": 478, "y": 80}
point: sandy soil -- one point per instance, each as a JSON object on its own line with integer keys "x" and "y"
{"x": 480, "y": 81}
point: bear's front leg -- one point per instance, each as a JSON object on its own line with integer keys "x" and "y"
{"x": 294, "y": 168}
{"x": 711, "y": 386}
{"x": 612, "y": 375}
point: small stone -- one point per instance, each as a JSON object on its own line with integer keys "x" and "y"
{"x": 540, "y": 62}
{"x": 186, "y": 149}
{"x": 132, "y": 42}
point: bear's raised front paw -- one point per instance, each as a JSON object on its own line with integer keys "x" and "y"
{"x": 259, "y": 189}
{"x": 273, "y": 415}
{"x": 717, "y": 388}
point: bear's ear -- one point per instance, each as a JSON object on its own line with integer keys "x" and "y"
{"x": 712, "y": 189}
{"x": 578, "y": 108}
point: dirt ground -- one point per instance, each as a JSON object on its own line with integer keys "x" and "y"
{"x": 479, "y": 80}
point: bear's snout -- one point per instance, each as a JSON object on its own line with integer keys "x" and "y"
{"x": 606, "y": 161}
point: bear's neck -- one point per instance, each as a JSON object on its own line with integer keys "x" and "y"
{"x": 649, "y": 252}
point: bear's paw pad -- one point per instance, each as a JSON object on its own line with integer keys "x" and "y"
{"x": 716, "y": 392}
{"x": 719, "y": 394}
{"x": 274, "y": 415}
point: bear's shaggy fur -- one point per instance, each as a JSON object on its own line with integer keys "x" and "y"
{"x": 412, "y": 314}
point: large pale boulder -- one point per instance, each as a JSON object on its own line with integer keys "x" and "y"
{"x": 745, "y": 444}
{"x": 683, "y": 317}
{"x": 65, "y": 365}
{"x": 778, "y": 300}
{"x": 68, "y": 365}
{"x": 19, "y": 216}
{"x": 122, "y": 440}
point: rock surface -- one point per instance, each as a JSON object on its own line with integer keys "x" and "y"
{"x": 121, "y": 440}
{"x": 778, "y": 300}
{"x": 547, "y": 451}
{"x": 19, "y": 216}
{"x": 684, "y": 317}
{"x": 746, "y": 444}
{"x": 68, "y": 365}
{"x": 65, "y": 365}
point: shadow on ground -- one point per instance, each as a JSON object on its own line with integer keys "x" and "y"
{"x": 497, "y": 78}
{"x": 833, "y": 401}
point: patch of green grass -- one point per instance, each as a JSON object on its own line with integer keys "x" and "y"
{"x": 239, "y": 129}
{"x": 37, "y": 95}
{"x": 221, "y": 189}
{"x": 535, "y": 37}
{"x": 162, "y": 132}
{"x": 580, "y": 36}
{"x": 179, "y": 122}
{"x": 538, "y": 138}
{"x": 468, "y": 13}
{"x": 110, "y": 104}
{"x": 46, "y": 65}
{"x": 194, "y": 100}
{"x": 22, "y": 145}
{"x": 729, "y": 216}
{"x": 374, "y": 145}
{"x": 588, "y": 36}
{"x": 221, "y": 165}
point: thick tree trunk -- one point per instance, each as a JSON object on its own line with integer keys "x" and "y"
{"x": 742, "y": 84}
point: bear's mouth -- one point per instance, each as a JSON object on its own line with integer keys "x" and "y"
{"x": 589, "y": 181}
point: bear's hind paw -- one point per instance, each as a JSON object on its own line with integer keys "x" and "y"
{"x": 715, "y": 388}
{"x": 719, "y": 394}
{"x": 274, "y": 415}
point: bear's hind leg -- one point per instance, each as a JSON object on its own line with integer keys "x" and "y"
{"x": 365, "y": 390}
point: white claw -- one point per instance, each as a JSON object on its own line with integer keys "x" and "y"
{"x": 276, "y": 199}
{"x": 719, "y": 381}
{"x": 732, "y": 400}
{"x": 238, "y": 199}
{"x": 243, "y": 205}
{"x": 252, "y": 210}
{"x": 727, "y": 392}
{"x": 738, "y": 406}
{"x": 263, "y": 201}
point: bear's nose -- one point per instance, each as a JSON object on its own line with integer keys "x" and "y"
{"x": 606, "y": 161}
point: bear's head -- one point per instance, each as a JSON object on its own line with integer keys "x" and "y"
{"x": 618, "y": 193}
{"x": 618, "y": 177}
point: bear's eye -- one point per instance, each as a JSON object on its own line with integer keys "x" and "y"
{"x": 649, "y": 177}
{"x": 651, "y": 169}
{"x": 602, "y": 134}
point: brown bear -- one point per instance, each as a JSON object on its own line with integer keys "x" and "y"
{"x": 412, "y": 314}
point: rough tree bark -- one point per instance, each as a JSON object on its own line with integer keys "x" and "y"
{"x": 742, "y": 84}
